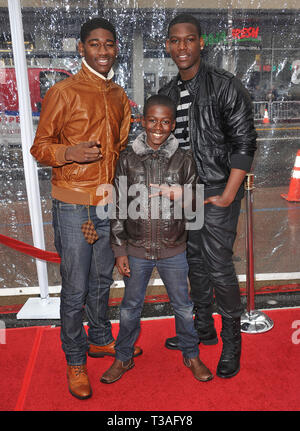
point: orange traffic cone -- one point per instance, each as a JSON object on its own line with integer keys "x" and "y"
{"x": 266, "y": 117}
{"x": 294, "y": 189}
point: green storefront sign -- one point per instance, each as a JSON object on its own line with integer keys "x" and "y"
{"x": 246, "y": 34}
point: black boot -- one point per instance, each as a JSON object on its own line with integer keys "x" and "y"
{"x": 229, "y": 364}
{"x": 204, "y": 325}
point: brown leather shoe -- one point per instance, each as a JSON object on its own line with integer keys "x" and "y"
{"x": 109, "y": 350}
{"x": 199, "y": 370}
{"x": 78, "y": 381}
{"x": 116, "y": 371}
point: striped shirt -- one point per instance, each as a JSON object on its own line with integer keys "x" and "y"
{"x": 182, "y": 117}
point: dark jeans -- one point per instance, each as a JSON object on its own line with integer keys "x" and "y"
{"x": 86, "y": 272}
{"x": 209, "y": 254}
{"x": 174, "y": 273}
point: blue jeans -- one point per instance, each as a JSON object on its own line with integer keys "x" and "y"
{"x": 86, "y": 272}
{"x": 174, "y": 273}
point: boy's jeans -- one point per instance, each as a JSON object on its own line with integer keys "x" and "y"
{"x": 86, "y": 272}
{"x": 174, "y": 273}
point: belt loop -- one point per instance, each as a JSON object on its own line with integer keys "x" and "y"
{"x": 88, "y": 208}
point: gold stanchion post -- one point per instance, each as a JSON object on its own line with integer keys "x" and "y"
{"x": 252, "y": 321}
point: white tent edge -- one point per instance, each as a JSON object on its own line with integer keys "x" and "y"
{"x": 43, "y": 307}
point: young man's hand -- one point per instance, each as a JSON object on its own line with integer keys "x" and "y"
{"x": 122, "y": 264}
{"x": 218, "y": 200}
{"x": 85, "y": 152}
{"x": 235, "y": 180}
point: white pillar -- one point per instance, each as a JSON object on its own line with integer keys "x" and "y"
{"x": 30, "y": 166}
{"x": 138, "y": 69}
{"x": 229, "y": 61}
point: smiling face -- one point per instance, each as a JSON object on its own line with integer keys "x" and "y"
{"x": 158, "y": 123}
{"x": 99, "y": 50}
{"x": 185, "y": 45}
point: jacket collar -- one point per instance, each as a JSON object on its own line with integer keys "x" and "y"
{"x": 93, "y": 73}
{"x": 194, "y": 83}
{"x": 142, "y": 149}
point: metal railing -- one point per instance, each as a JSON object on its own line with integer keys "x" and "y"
{"x": 259, "y": 110}
{"x": 285, "y": 110}
{"x": 277, "y": 111}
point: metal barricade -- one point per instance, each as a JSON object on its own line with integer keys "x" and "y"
{"x": 252, "y": 321}
{"x": 259, "y": 110}
{"x": 285, "y": 110}
{"x": 277, "y": 111}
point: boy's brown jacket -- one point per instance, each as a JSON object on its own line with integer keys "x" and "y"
{"x": 82, "y": 108}
{"x": 162, "y": 235}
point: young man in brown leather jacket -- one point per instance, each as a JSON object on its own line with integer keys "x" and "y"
{"x": 83, "y": 126}
{"x": 215, "y": 120}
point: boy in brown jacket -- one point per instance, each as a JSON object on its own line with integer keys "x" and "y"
{"x": 145, "y": 238}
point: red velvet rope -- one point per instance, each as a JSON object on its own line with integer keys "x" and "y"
{"x": 49, "y": 256}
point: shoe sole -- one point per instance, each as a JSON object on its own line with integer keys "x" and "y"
{"x": 101, "y": 355}
{"x": 227, "y": 376}
{"x": 206, "y": 343}
{"x": 204, "y": 380}
{"x": 118, "y": 378}
{"x": 198, "y": 378}
{"x": 80, "y": 397}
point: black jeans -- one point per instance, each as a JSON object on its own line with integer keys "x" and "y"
{"x": 209, "y": 254}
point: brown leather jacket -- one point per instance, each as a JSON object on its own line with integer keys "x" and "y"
{"x": 82, "y": 108}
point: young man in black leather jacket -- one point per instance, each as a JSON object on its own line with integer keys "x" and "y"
{"x": 215, "y": 120}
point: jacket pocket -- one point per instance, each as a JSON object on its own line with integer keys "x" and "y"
{"x": 173, "y": 233}
{"x": 84, "y": 173}
{"x": 171, "y": 178}
{"x": 207, "y": 115}
{"x": 135, "y": 232}
{"x": 216, "y": 165}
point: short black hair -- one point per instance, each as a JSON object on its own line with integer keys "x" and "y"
{"x": 185, "y": 18}
{"x": 93, "y": 24}
{"x": 160, "y": 99}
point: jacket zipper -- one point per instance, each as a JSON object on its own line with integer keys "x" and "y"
{"x": 107, "y": 126}
{"x": 153, "y": 225}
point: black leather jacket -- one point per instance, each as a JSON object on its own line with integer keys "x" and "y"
{"x": 150, "y": 237}
{"x": 222, "y": 133}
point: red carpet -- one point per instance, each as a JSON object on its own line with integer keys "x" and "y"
{"x": 33, "y": 374}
